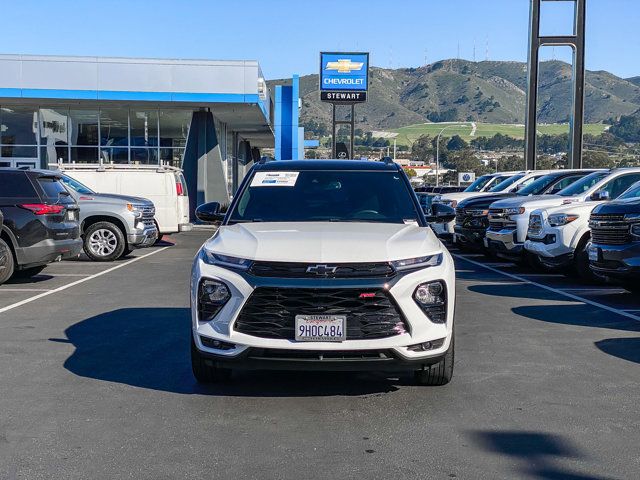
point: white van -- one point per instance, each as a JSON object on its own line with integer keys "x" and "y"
{"x": 164, "y": 186}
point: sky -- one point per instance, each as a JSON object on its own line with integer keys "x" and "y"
{"x": 286, "y": 36}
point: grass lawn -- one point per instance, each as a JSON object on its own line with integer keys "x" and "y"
{"x": 408, "y": 135}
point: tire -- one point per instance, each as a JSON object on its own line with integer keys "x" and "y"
{"x": 439, "y": 373}
{"x": 159, "y": 239}
{"x": 29, "y": 272}
{"x": 104, "y": 242}
{"x": 581, "y": 265}
{"x": 7, "y": 264}
{"x": 127, "y": 251}
{"x": 204, "y": 373}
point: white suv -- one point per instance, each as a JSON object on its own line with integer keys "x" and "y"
{"x": 559, "y": 235}
{"x": 323, "y": 265}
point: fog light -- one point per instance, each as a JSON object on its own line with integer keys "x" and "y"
{"x": 432, "y": 298}
{"x": 215, "y": 291}
{"x": 426, "y": 346}
{"x": 216, "y": 344}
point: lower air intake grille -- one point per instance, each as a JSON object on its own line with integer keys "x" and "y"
{"x": 270, "y": 311}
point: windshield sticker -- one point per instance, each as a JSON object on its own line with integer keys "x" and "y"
{"x": 410, "y": 221}
{"x": 275, "y": 179}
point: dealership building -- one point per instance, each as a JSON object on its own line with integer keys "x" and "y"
{"x": 210, "y": 118}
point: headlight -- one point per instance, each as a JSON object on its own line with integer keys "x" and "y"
{"x": 560, "y": 219}
{"x": 514, "y": 211}
{"x": 432, "y": 299}
{"x": 134, "y": 209}
{"x": 418, "y": 262}
{"x": 212, "y": 296}
{"x": 635, "y": 230}
{"x": 632, "y": 217}
{"x": 211, "y": 258}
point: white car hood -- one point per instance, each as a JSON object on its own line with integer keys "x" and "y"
{"x": 324, "y": 241}
{"x": 459, "y": 196}
{"x": 530, "y": 203}
{"x": 580, "y": 208}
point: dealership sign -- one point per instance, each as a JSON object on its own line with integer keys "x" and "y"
{"x": 466, "y": 177}
{"x": 344, "y": 77}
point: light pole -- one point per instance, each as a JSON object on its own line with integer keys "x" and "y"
{"x": 438, "y": 149}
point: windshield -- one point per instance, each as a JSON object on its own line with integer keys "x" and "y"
{"x": 77, "y": 186}
{"x": 633, "y": 192}
{"x": 539, "y": 186}
{"x": 325, "y": 196}
{"x": 583, "y": 184}
{"x": 478, "y": 184}
{"x": 506, "y": 183}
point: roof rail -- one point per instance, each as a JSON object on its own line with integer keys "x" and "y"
{"x": 388, "y": 160}
{"x": 264, "y": 160}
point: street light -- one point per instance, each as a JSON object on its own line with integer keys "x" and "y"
{"x": 438, "y": 149}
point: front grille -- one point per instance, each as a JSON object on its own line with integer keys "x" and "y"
{"x": 300, "y": 270}
{"x": 609, "y": 229}
{"x": 148, "y": 211}
{"x": 270, "y": 311}
{"x": 499, "y": 220}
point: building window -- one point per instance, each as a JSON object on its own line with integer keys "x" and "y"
{"x": 114, "y": 135}
{"x": 83, "y": 129}
{"x": 18, "y": 132}
{"x": 54, "y": 135}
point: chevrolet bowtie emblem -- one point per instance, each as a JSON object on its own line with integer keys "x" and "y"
{"x": 344, "y": 66}
{"x": 321, "y": 269}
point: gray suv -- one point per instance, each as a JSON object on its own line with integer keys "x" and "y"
{"x": 112, "y": 225}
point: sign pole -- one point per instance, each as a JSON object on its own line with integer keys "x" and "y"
{"x": 353, "y": 131}
{"x": 333, "y": 134}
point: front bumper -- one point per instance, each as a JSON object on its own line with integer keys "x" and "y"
{"x": 144, "y": 238}
{"x": 255, "y": 350}
{"x": 48, "y": 251}
{"x": 504, "y": 243}
{"x": 617, "y": 261}
{"x": 473, "y": 237}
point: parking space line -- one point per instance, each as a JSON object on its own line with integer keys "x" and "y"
{"x": 78, "y": 282}
{"x": 551, "y": 289}
{"x": 24, "y": 289}
{"x": 593, "y": 289}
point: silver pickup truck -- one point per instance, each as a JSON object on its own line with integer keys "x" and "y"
{"x": 112, "y": 225}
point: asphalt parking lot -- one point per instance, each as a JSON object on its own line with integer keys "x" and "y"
{"x": 95, "y": 382}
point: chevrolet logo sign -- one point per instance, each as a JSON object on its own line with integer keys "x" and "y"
{"x": 321, "y": 269}
{"x": 344, "y": 66}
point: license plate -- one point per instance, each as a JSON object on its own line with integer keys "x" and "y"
{"x": 71, "y": 215}
{"x": 593, "y": 254}
{"x": 320, "y": 328}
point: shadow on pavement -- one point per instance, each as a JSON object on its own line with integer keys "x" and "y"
{"x": 624, "y": 348}
{"x": 578, "y": 315}
{"x": 149, "y": 348}
{"x": 538, "y": 453}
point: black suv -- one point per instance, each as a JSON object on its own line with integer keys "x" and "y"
{"x": 615, "y": 239}
{"x": 472, "y": 214}
{"x": 41, "y": 222}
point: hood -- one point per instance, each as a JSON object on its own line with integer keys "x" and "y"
{"x": 580, "y": 208}
{"x": 531, "y": 202}
{"x": 113, "y": 198}
{"x": 459, "y": 196}
{"x": 484, "y": 200}
{"x": 324, "y": 242}
{"x": 619, "y": 207}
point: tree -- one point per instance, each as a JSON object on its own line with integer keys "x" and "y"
{"x": 457, "y": 143}
{"x": 592, "y": 159}
{"x": 410, "y": 172}
{"x": 511, "y": 163}
{"x": 423, "y": 149}
{"x": 627, "y": 128}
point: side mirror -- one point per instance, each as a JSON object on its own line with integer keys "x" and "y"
{"x": 441, "y": 214}
{"x": 209, "y": 213}
{"x": 602, "y": 195}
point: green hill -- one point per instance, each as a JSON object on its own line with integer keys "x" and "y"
{"x": 464, "y": 91}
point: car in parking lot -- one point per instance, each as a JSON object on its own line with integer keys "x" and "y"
{"x": 40, "y": 222}
{"x": 614, "y": 251}
{"x": 323, "y": 265}
{"x": 472, "y": 214}
{"x": 558, "y": 231}
{"x": 112, "y": 225}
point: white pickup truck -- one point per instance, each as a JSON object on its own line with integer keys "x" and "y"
{"x": 559, "y": 234}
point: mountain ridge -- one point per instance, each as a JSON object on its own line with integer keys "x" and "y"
{"x": 486, "y": 91}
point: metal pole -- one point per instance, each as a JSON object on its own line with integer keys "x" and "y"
{"x": 353, "y": 131}
{"x": 531, "y": 118}
{"x": 577, "y": 117}
{"x": 394, "y": 149}
{"x": 333, "y": 132}
{"x": 438, "y": 158}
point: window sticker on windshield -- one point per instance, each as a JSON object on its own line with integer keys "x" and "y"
{"x": 409, "y": 221}
{"x": 275, "y": 179}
